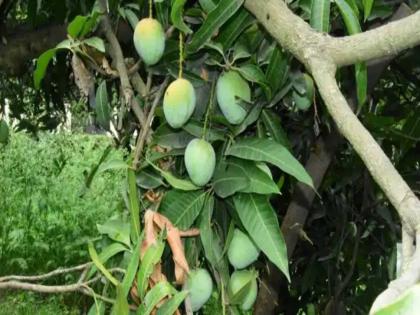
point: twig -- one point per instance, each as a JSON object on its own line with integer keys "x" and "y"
{"x": 53, "y": 273}
{"x": 145, "y": 130}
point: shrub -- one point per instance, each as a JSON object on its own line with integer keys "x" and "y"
{"x": 46, "y": 211}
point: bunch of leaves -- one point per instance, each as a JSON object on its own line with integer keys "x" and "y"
{"x": 51, "y": 198}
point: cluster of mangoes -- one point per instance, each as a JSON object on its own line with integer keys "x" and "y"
{"x": 180, "y": 100}
{"x": 241, "y": 253}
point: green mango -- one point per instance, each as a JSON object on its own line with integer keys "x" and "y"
{"x": 179, "y": 102}
{"x": 149, "y": 40}
{"x": 238, "y": 280}
{"x": 200, "y": 286}
{"x": 231, "y": 89}
{"x": 200, "y": 161}
{"x": 242, "y": 252}
{"x": 4, "y": 132}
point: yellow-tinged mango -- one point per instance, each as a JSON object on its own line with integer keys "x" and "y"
{"x": 179, "y": 102}
{"x": 200, "y": 286}
{"x": 149, "y": 40}
{"x": 242, "y": 252}
{"x": 200, "y": 161}
{"x": 238, "y": 280}
{"x": 231, "y": 89}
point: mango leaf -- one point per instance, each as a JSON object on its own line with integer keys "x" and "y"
{"x": 178, "y": 183}
{"x": 149, "y": 179}
{"x": 216, "y": 18}
{"x": 260, "y": 221}
{"x": 134, "y": 201}
{"x": 182, "y": 208}
{"x": 234, "y": 27}
{"x": 278, "y": 69}
{"x": 353, "y": 27}
{"x": 150, "y": 259}
{"x": 121, "y": 306}
{"x": 266, "y": 150}
{"x": 367, "y": 8}
{"x": 177, "y": 16}
{"x": 108, "y": 252}
{"x": 229, "y": 179}
{"x": 253, "y": 73}
{"x": 196, "y": 129}
{"x": 320, "y": 15}
{"x": 42, "y": 65}
{"x": 102, "y": 108}
{"x": 167, "y": 137}
{"x": 96, "y": 43}
{"x": 250, "y": 118}
{"x": 207, "y": 5}
{"x": 76, "y": 26}
{"x": 272, "y": 123}
{"x": 95, "y": 258}
{"x": 131, "y": 271}
{"x": 155, "y": 295}
{"x": 259, "y": 181}
{"x": 131, "y": 17}
{"x": 407, "y": 304}
{"x": 112, "y": 165}
{"x": 170, "y": 306}
{"x": 116, "y": 229}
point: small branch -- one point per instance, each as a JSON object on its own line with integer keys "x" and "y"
{"x": 145, "y": 130}
{"x": 53, "y": 273}
{"x": 118, "y": 57}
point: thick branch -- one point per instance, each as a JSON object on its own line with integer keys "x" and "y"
{"x": 386, "y": 40}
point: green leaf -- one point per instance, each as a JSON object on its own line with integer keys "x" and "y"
{"x": 95, "y": 258}
{"x": 102, "y": 109}
{"x": 229, "y": 179}
{"x": 42, "y": 65}
{"x": 109, "y": 252}
{"x": 150, "y": 259}
{"x": 177, "y": 183}
{"x": 260, "y": 221}
{"x": 121, "y": 306}
{"x": 407, "y": 304}
{"x": 134, "y": 201}
{"x": 167, "y": 137}
{"x": 269, "y": 151}
{"x": 182, "y": 208}
{"x": 253, "y": 73}
{"x": 96, "y": 43}
{"x": 155, "y": 295}
{"x": 250, "y": 118}
{"x": 149, "y": 179}
{"x": 207, "y": 5}
{"x": 116, "y": 229}
{"x": 234, "y": 27}
{"x": 320, "y": 15}
{"x": 75, "y": 27}
{"x": 177, "y": 16}
{"x": 216, "y": 18}
{"x": 131, "y": 270}
{"x": 353, "y": 27}
{"x": 112, "y": 165}
{"x": 170, "y": 306}
{"x": 196, "y": 129}
{"x": 273, "y": 124}
{"x": 131, "y": 17}
{"x": 259, "y": 181}
{"x": 367, "y": 8}
{"x": 278, "y": 69}
{"x": 349, "y": 17}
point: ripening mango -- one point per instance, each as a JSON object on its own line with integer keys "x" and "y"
{"x": 149, "y": 40}
{"x": 242, "y": 252}
{"x": 200, "y": 161}
{"x": 238, "y": 280}
{"x": 179, "y": 102}
{"x": 231, "y": 89}
{"x": 200, "y": 286}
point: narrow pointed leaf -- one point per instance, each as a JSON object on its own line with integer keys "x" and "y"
{"x": 320, "y": 15}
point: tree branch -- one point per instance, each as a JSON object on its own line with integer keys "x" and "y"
{"x": 118, "y": 57}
